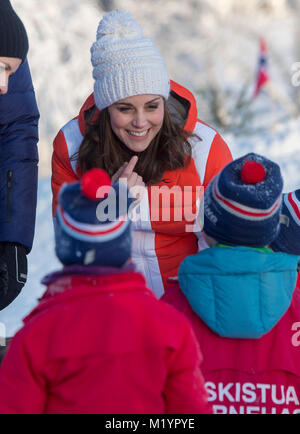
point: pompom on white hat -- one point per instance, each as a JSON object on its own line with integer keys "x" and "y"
{"x": 125, "y": 63}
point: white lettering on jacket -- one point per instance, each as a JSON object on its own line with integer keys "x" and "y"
{"x": 252, "y": 393}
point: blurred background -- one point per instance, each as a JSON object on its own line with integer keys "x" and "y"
{"x": 211, "y": 47}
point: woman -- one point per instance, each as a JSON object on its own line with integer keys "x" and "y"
{"x": 140, "y": 126}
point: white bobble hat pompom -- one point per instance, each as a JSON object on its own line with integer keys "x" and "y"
{"x": 119, "y": 25}
{"x": 125, "y": 63}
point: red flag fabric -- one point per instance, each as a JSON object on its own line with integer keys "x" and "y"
{"x": 262, "y": 76}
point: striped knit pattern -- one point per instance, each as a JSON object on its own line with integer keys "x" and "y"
{"x": 89, "y": 232}
{"x": 85, "y": 236}
{"x": 292, "y": 203}
{"x": 239, "y": 213}
{"x": 288, "y": 240}
{"x": 243, "y": 211}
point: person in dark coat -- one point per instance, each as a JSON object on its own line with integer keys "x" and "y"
{"x": 19, "y": 117}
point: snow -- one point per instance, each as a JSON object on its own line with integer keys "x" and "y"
{"x": 41, "y": 260}
{"x": 207, "y": 46}
{"x": 280, "y": 145}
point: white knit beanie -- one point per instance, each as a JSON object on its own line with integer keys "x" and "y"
{"x": 125, "y": 62}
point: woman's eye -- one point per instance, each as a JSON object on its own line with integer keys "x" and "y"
{"x": 153, "y": 106}
{"x": 4, "y": 68}
{"x": 123, "y": 109}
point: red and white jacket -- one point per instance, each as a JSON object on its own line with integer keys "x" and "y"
{"x": 162, "y": 236}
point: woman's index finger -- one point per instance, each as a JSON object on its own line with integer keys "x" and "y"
{"x": 130, "y": 166}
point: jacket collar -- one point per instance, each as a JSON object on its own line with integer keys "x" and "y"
{"x": 77, "y": 282}
{"x": 75, "y": 270}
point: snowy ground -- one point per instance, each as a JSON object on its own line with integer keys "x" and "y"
{"x": 196, "y": 37}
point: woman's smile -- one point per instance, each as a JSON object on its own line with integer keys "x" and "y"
{"x": 136, "y": 120}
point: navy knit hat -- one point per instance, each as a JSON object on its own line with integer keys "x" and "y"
{"x": 13, "y": 36}
{"x": 92, "y": 223}
{"x": 288, "y": 240}
{"x": 242, "y": 204}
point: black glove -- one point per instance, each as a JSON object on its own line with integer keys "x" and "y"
{"x": 13, "y": 271}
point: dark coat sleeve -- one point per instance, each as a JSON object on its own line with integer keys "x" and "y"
{"x": 19, "y": 118}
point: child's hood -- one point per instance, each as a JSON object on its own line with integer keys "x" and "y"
{"x": 239, "y": 292}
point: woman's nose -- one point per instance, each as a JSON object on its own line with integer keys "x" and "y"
{"x": 139, "y": 120}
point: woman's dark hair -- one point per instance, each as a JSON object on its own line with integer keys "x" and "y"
{"x": 101, "y": 148}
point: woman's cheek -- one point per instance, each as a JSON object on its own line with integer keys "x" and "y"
{"x": 157, "y": 118}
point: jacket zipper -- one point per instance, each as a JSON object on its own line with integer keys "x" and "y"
{"x": 9, "y": 187}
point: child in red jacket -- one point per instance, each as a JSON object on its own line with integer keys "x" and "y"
{"x": 99, "y": 341}
{"x": 240, "y": 295}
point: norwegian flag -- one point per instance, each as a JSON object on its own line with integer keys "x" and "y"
{"x": 262, "y": 76}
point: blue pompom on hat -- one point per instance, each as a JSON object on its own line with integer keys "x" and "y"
{"x": 93, "y": 227}
{"x": 288, "y": 240}
{"x": 242, "y": 203}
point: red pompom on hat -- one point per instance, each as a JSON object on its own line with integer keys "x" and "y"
{"x": 91, "y": 183}
{"x": 92, "y": 225}
{"x": 253, "y": 172}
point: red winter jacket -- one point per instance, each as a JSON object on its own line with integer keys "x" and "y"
{"x": 162, "y": 230}
{"x": 102, "y": 344}
{"x": 245, "y": 376}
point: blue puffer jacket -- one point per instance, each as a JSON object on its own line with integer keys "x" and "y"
{"x": 19, "y": 117}
{"x": 239, "y": 292}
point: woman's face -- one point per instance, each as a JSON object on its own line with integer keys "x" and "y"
{"x": 8, "y": 66}
{"x": 136, "y": 120}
